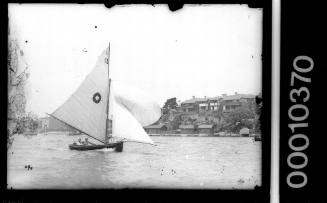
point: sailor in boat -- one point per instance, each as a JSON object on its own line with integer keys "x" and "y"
{"x": 87, "y": 142}
{"x": 90, "y": 142}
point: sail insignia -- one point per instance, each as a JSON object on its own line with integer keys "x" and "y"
{"x": 97, "y": 97}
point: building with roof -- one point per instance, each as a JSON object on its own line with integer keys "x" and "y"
{"x": 245, "y": 132}
{"x": 187, "y": 129}
{"x": 226, "y": 102}
{"x": 191, "y": 105}
{"x": 214, "y": 103}
{"x": 232, "y": 102}
{"x": 155, "y": 129}
{"x": 206, "y": 129}
{"x": 200, "y": 104}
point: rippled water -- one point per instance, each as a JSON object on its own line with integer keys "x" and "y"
{"x": 176, "y": 162}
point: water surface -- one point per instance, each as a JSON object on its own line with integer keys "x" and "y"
{"x": 176, "y": 162}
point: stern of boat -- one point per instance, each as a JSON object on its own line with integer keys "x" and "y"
{"x": 119, "y": 147}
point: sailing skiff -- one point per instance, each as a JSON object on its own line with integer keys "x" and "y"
{"x": 110, "y": 114}
{"x": 118, "y": 146}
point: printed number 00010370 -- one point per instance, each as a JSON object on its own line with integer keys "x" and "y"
{"x": 299, "y": 96}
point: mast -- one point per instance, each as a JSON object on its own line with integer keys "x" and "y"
{"x": 107, "y": 109}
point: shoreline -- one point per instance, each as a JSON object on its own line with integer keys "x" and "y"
{"x": 197, "y": 135}
{"x": 154, "y": 135}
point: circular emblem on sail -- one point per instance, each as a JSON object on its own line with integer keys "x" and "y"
{"x": 97, "y": 97}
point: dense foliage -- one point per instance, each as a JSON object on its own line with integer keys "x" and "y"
{"x": 18, "y": 120}
{"x": 238, "y": 119}
{"x": 169, "y": 104}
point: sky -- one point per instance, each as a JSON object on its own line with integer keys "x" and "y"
{"x": 200, "y": 50}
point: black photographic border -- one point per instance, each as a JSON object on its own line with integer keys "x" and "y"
{"x": 259, "y": 194}
{"x": 302, "y": 34}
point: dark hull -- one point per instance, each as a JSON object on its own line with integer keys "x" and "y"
{"x": 118, "y": 146}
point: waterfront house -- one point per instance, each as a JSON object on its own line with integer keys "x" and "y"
{"x": 245, "y": 132}
{"x": 227, "y": 102}
{"x": 203, "y": 103}
{"x": 214, "y": 103}
{"x": 200, "y": 104}
{"x": 206, "y": 129}
{"x": 190, "y": 105}
{"x": 232, "y": 102}
{"x": 187, "y": 129}
{"x": 155, "y": 129}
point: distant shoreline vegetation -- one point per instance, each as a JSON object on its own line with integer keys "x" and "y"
{"x": 226, "y": 115}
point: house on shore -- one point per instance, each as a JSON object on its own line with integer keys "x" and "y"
{"x": 197, "y": 105}
{"x": 206, "y": 129}
{"x": 213, "y": 103}
{"x": 232, "y": 102}
{"x": 190, "y": 105}
{"x": 155, "y": 129}
{"x": 187, "y": 129}
{"x": 245, "y": 132}
{"x": 225, "y": 102}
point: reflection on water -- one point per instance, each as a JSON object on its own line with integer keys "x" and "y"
{"x": 176, "y": 162}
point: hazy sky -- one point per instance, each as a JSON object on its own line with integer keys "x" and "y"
{"x": 197, "y": 51}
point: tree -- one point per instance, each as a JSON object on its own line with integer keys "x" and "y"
{"x": 31, "y": 122}
{"x": 257, "y": 119}
{"x": 177, "y": 121}
{"x": 239, "y": 118}
{"x": 17, "y": 78}
{"x": 169, "y": 104}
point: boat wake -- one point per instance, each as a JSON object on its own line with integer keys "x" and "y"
{"x": 106, "y": 150}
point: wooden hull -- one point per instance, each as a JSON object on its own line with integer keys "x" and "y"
{"x": 118, "y": 146}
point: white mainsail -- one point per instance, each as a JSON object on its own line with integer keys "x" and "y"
{"x": 85, "y": 110}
